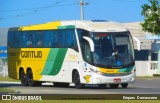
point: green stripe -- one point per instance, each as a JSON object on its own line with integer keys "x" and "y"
{"x": 127, "y": 70}
{"x": 66, "y": 27}
{"x": 52, "y": 54}
{"x": 54, "y": 61}
{"x": 121, "y": 70}
{"x": 50, "y": 61}
{"x": 59, "y": 61}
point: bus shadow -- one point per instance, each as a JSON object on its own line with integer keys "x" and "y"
{"x": 8, "y": 85}
{"x": 90, "y": 87}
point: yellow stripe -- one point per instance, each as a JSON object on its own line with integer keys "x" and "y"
{"x": 108, "y": 71}
{"x": 47, "y": 26}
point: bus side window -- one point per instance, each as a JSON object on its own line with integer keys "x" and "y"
{"x": 48, "y": 39}
{"x": 38, "y": 39}
{"x": 24, "y": 40}
{"x": 75, "y": 46}
{"x": 14, "y": 39}
{"x": 11, "y": 39}
{"x": 55, "y": 42}
{"x": 29, "y": 43}
{"x": 71, "y": 39}
{"x": 20, "y": 39}
{"x": 40, "y": 44}
{"x": 63, "y": 38}
{"x": 29, "y": 40}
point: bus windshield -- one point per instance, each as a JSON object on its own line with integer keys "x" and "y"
{"x": 112, "y": 49}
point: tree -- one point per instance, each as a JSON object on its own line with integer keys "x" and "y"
{"x": 151, "y": 13}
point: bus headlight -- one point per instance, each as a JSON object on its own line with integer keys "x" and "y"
{"x": 95, "y": 71}
{"x": 133, "y": 70}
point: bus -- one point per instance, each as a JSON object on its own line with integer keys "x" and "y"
{"x": 82, "y": 52}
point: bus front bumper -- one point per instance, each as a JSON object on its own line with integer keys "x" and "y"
{"x": 101, "y": 79}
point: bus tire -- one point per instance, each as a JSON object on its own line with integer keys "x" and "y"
{"x": 56, "y": 84}
{"x": 24, "y": 79}
{"x": 76, "y": 80}
{"x": 31, "y": 82}
{"x": 102, "y": 86}
{"x": 124, "y": 85}
{"x": 114, "y": 85}
{"x": 38, "y": 83}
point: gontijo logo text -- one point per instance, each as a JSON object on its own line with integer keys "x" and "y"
{"x": 31, "y": 54}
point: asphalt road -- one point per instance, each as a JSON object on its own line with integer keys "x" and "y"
{"x": 141, "y": 86}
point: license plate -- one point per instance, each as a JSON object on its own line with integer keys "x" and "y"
{"x": 117, "y": 79}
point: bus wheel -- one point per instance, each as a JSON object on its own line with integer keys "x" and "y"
{"x": 38, "y": 83}
{"x": 23, "y": 78}
{"x": 56, "y": 84}
{"x": 124, "y": 85}
{"x": 76, "y": 80}
{"x": 102, "y": 86}
{"x": 31, "y": 82}
{"x": 114, "y": 85}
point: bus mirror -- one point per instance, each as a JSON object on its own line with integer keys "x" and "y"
{"x": 138, "y": 43}
{"x": 90, "y": 43}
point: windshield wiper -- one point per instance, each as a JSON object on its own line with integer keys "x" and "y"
{"x": 106, "y": 57}
{"x": 101, "y": 65}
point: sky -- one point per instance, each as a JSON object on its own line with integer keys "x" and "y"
{"x": 14, "y": 13}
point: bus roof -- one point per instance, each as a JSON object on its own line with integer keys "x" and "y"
{"x": 93, "y": 26}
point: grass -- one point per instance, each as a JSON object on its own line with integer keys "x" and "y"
{"x": 8, "y": 79}
{"x": 6, "y": 90}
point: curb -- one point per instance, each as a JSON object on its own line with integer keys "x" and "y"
{"x": 7, "y": 82}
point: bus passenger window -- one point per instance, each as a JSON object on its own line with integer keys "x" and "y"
{"x": 51, "y": 44}
{"x": 55, "y": 39}
{"x": 38, "y": 39}
{"x": 71, "y": 40}
{"x": 29, "y": 43}
{"x": 40, "y": 44}
{"x": 75, "y": 46}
